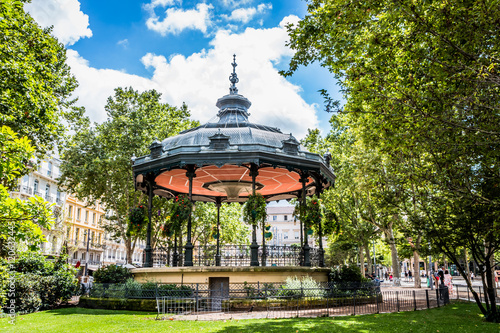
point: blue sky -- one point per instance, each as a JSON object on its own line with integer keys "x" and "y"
{"x": 184, "y": 50}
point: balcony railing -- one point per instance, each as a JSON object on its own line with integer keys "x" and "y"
{"x": 83, "y": 262}
{"x": 235, "y": 255}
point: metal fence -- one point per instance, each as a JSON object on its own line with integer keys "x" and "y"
{"x": 314, "y": 303}
{"x": 234, "y": 255}
{"x": 462, "y": 292}
{"x": 266, "y": 300}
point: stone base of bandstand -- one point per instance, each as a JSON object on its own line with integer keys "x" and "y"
{"x": 236, "y": 274}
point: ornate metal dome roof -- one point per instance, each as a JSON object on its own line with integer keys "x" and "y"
{"x": 230, "y": 146}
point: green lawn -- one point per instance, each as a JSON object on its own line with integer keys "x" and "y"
{"x": 456, "y": 318}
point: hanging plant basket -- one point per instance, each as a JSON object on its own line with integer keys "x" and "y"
{"x": 137, "y": 218}
{"x": 254, "y": 211}
{"x": 214, "y": 234}
{"x": 181, "y": 209}
{"x": 166, "y": 230}
{"x": 268, "y": 235}
{"x": 309, "y": 232}
{"x": 267, "y": 227}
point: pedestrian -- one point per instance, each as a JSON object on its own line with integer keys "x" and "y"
{"x": 496, "y": 279}
{"x": 472, "y": 276}
{"x": 410, "y": 276}
{"x": 441, "y": 276}
{"x": 390, "y": 277}
{"x": 406, "y": 276}
{"x": 447, "y": 281}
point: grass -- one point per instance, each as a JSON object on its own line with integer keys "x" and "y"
{"x": 457, "y": 317}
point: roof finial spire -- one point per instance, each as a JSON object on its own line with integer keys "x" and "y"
{"x": 233, "y": 78}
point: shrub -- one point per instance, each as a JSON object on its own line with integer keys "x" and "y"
{"x": 112, "y": 274}
{"x": 27, "y": 296}
{"x": 295, "y": 287}
{"x": 346, "y": 274}
{"x": 4, "y": 284}
{"x": 39, "y": 284}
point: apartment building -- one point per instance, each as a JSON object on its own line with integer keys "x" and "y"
{"x": 42, "y": 181}
{"x": 284, "y": 226}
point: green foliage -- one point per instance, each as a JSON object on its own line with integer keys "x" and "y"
{"x": 137, "y": 220}
{"x": 231, "y": 231}
{"x": 4, "y": 284}
{"x": 180, "y": 211}
{"x": 36, "y": 81}
{"x": 305, "y": 287}
{"x": 98, "y": 158}
{"x": 254, "y": 210}
{"x": 20, "y": 220}
{"x": 346, "y": 274}
{"x": 39, "y": 284}
{"x": 112, "y": 274}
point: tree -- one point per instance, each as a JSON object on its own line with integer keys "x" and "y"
{"x": 232, "y": 230}
{"x": 36, "y": 81}
{"x": 421, "y": 86}
{"x": 20, "y": 221}
{"x": 97, "y": 160}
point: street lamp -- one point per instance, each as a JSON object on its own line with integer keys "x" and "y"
{"x": 87, "y": 234}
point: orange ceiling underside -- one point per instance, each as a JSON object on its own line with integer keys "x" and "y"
{"x": 274, "y": 180}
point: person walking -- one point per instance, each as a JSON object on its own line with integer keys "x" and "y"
{"x": 447, "y": 281}
{"x": 410, "y": 276}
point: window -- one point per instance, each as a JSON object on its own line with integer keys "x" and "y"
{"x": 58, "y": 196}
{"x": 285, "y": 235}
{"x": 83, "y": 255}
{"x": 285, "y": 217}
{"x": 47, "y": 191}
{"x": 296, "y": 235}
{"x": 77, "y": 234}
{"x": 75, "y": 255}
{"x": 91, "y": 257}
{"x": 49, "y": 171}
{"x": 86, "y": 216}
{"x": 70, "y": 211}
{"x": 93, "y": 218}
{"x": 99, "y": 239}
{"x": 275, "y": 217}
{"x": 35, "y": 186}
{"x": 78, "y": 214}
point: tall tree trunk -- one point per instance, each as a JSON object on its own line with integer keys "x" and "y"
{"x": 416, "y": 269}
{"x": 394, "y": 256}
{"x": 361, "y": 261}
{"x": 368, "y": 258}
{"x": 129, "y": 249}
{"x": 466, "y": 264}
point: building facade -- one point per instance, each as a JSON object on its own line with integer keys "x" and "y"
{"x": 42, "y": 182}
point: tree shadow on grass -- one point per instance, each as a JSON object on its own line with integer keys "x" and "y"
{"x": 97, "y": 312}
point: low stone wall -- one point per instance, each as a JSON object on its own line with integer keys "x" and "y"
{"x": 202, "y": 275}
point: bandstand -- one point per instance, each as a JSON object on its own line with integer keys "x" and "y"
{"x": 226, "y": 161}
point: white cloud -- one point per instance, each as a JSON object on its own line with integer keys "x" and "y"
{"x": 245, "y": 15}
{"x": 176, "y": 20}
{"x": 123, "y": 43}
{"x": 70, "y": 23}
{"x": 96, "y": 85}
{"x": 201, "y": 78}
{"x": 234, "y": 3}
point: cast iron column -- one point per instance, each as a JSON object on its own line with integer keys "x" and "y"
{"x": 319, "y": 189}
{"x": 217, "y": 253}
{"x": 149, "y": 250}
{"x": 306, "y": 248}
{"x": 254, "y": 247}
{"x": 188, "y": 256}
